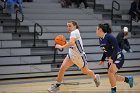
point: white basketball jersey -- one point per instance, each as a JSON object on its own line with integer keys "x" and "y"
{"x": 76, "y": 52}
{"x": 78, "y": 46}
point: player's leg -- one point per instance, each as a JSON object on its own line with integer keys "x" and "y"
{"x": 81, "y": 62}
{"x": 65, "y": 65}
{"x": 119, "y": 78}
{"x": 127, "y": 79}
{"x": 111, "y": 74}
{"x": 90, "y": 73}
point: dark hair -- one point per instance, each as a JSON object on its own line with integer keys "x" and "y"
{"x": 74, "y": 23}
{"x": 105, "y": 27}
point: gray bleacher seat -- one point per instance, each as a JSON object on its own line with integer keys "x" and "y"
{"x": 6, "y": 44}
{"x": 5, "y": 36}
{"x": 19, "y": 60}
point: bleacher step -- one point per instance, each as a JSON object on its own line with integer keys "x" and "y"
{"x": 115, "y": 17}
{"x": 11, "y": 29}
{"x": 23, "y": 36}
{"x": 8, "y": 22}
{"x": 60, "y": 22}
{"x": 42, "y": 51}
{"x": 58, "y": 16}
{"x": 42, "y": 5}
{"x": 104, "y": 11}
{"x": 54, "y": 11}
{"x": 120, "y": 22}
{"x": 50, "y": 58}
{"x": 29, "y": 43}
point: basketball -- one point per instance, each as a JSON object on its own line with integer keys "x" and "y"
{"x": 60, "y": 39}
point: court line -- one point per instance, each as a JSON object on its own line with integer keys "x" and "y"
{"x": 67, "y": 78}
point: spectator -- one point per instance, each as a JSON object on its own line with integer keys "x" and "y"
{"x": 123, "y": 41}
{"x": 78, "y": 2}
{"x": 135, "y": 10}
{"x": 12, "y": 4}
{"x": 65, "y": 3}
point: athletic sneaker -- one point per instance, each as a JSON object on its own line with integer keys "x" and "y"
{"x": 130, "y": 50}
{"x": 53, "y": 88}
{"x": 124, "y": 51}
{"x": 97, "y": 80}
{"x": 131, "y": 81}
{"x": 112, "y": 91}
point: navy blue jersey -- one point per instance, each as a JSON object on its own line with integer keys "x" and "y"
{"x": 109, "y": 46}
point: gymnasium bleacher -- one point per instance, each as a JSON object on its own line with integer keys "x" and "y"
{"x": 20, "y": 59}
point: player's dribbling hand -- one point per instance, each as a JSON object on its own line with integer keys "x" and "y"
{"x": 110, "y": 61}
{"x": 101, "y": 63}
{"x": 58, "y": 46}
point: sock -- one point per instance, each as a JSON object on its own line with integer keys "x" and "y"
{"x": 114, "y": 89}
{"x": 58, "y": 84}
{"x": 126, "y": 80}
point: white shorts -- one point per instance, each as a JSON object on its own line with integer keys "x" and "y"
{"x": 80, "y": 61}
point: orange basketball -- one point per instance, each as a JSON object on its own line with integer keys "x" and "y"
{"x": 60, "y": 39}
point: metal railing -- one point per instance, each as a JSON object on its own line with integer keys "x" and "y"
{"x": 114, "y": 8}
{"x": 94, "y": 4}
{"x": 55, "y": 53}
{"x": 131, "y": 24}
{"x": 37, "y": 33}
{"x": 54, "y": 56}
{"x": 17, "y": 19}
{"x": 131, "y": 19}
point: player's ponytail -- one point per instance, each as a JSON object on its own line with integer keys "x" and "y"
{"x": 74, "y": 23}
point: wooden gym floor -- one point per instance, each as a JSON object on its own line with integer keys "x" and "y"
{"x": 71, "y": 84}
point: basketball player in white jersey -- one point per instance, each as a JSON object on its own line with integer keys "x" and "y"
{"x": 76, "y": 55}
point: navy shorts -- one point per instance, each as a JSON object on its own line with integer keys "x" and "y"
{"x": 119, "y": 60}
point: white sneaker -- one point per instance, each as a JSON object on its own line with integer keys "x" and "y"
{"x": 124, "y": 51}
{"x": 130, "y": 50}
{"x": 97, "y": 80}
{"x": 53, "y": 88}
